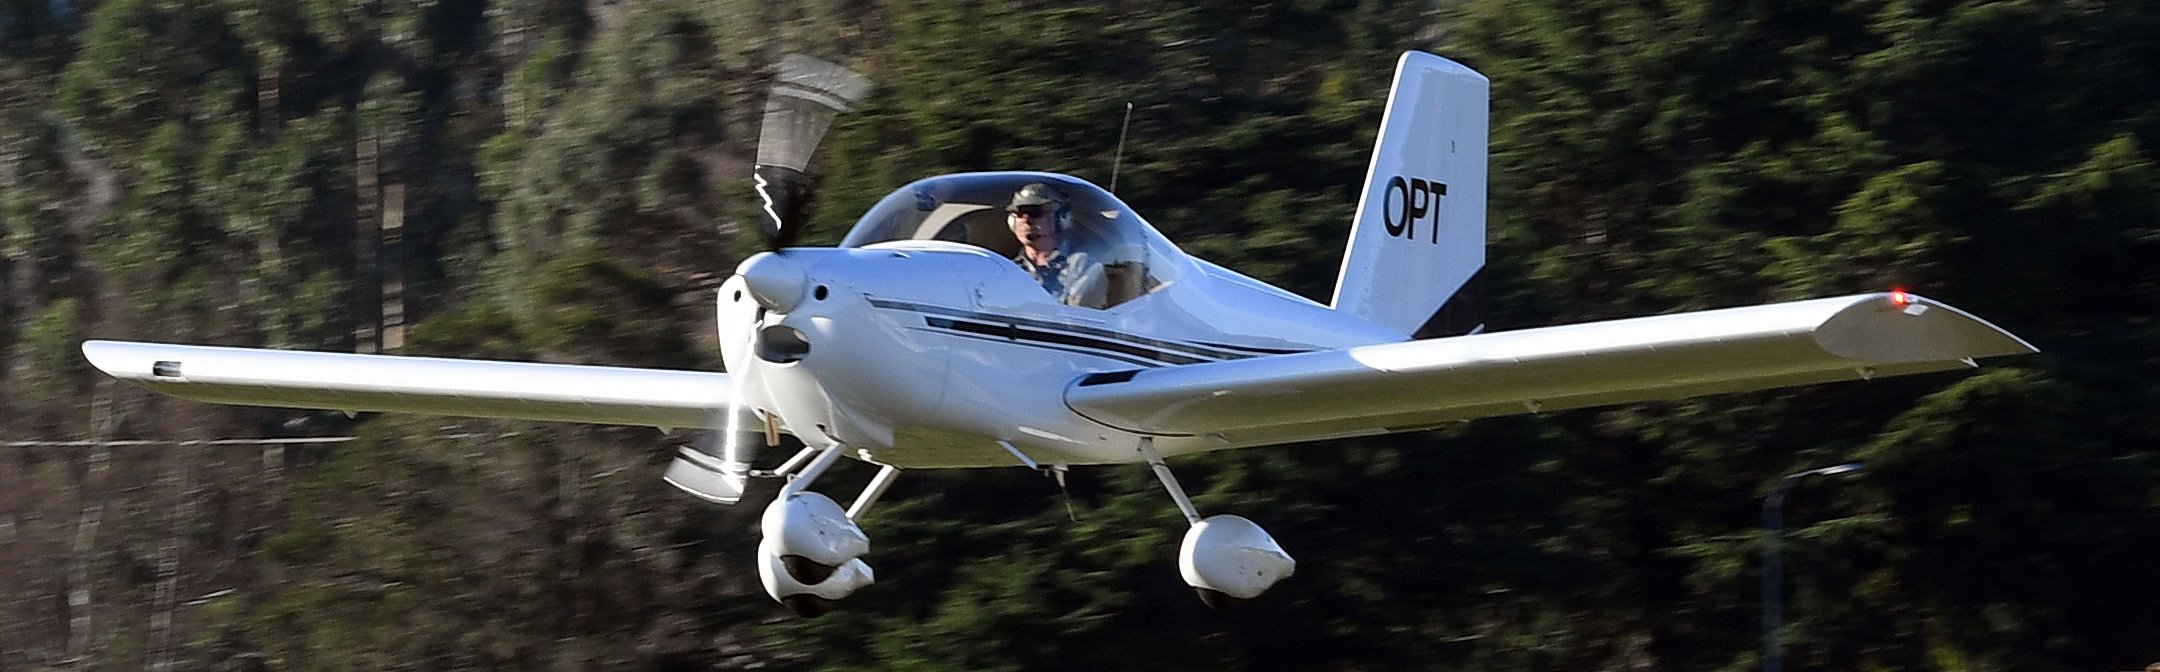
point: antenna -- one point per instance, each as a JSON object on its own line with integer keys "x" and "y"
{"x": 1120, "y": 160}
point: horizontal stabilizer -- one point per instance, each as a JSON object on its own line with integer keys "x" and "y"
{"x": 1395, "y": 387}
{"x": 424, "y": 385}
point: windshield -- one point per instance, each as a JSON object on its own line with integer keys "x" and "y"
{"x": 1106, "y": 254}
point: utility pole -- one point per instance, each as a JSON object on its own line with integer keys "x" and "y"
{"x": 1773, "y": 577}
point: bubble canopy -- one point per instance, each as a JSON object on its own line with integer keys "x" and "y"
{"x": 1129, "y": 257}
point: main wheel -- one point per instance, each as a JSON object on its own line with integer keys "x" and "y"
{"x": 1216, "y": 599}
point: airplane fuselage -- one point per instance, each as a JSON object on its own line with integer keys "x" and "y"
{"x": 994, "y": 353}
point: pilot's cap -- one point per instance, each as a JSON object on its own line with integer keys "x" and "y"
{"x": 1035, "y": 193}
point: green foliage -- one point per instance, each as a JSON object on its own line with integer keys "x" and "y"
{"x": 51, "y": 351}
{"x": 1827, "y": 156}
{"x": 623, "y": 162}
{"x": 146, "y": 64}
{"x": 480, "y": 330}
{"x": 416, "y": 549}
{"x": 160, "y": 233}
{"x": 29, "y": 208}
{"x": 590, "y": 304}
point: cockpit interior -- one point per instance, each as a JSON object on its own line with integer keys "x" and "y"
{"x": 1123, "y": 257}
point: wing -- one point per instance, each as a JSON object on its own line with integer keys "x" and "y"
{"x": 425, "y": 385}
{"x": 1414, "y": 385}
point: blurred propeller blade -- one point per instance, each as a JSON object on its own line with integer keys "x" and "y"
{"x": 715, "y": 463}
{"x": 787, "y": 194}
{"x": 708, "y": 468}
{"x": 807, "y": 94}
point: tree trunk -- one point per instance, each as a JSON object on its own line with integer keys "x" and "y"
{"x": 266, "y": 92}
{"x": 392, "y": 259}
{"x": 82, "y": 549}
{"x": 177, "y": 480}
{"x": 367, "y": 234}
{"x": 15, "y": 266}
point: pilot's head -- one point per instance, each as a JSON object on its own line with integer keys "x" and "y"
{"x": 1037, "y": 215}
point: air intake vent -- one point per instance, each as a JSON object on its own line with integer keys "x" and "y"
{"x": 781, "y": 345}
{"x": 1108, "y": 377}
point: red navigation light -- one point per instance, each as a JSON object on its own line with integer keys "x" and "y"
{"x": 1899, "y": 298}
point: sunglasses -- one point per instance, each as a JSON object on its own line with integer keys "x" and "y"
{"x": 1029, "y": 210}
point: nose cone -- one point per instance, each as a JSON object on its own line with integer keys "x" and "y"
{"x": 774, "y": 280}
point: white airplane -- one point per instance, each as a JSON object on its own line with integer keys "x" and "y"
{"x": 919, "y": 343}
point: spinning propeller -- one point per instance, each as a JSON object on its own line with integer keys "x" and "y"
{"x": 807, "y": 95}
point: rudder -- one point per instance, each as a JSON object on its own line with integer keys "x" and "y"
{"x": 1417, "y": 243}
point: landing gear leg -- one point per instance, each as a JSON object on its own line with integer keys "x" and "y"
{"x": 1169, "y": 480}
{"x": 1225, "y": 558}
{"x": 811, "y": 552}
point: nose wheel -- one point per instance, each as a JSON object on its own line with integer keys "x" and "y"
{"x": 811, "y": 554}
{"x": 806, "y": 605}
{"x": 806, "y": 570}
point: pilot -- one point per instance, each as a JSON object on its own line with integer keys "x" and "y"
{"x": 1041, "y": 217}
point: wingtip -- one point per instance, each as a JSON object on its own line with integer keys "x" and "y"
{"x": 103, "y": 355}
{"x": 1900, "y": 326}
{"x": 1999, "y": 342}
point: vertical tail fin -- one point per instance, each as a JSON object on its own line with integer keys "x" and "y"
{"x": 1417, "y": 244}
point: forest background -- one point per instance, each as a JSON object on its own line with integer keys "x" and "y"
{"x": 567, "y": 180}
